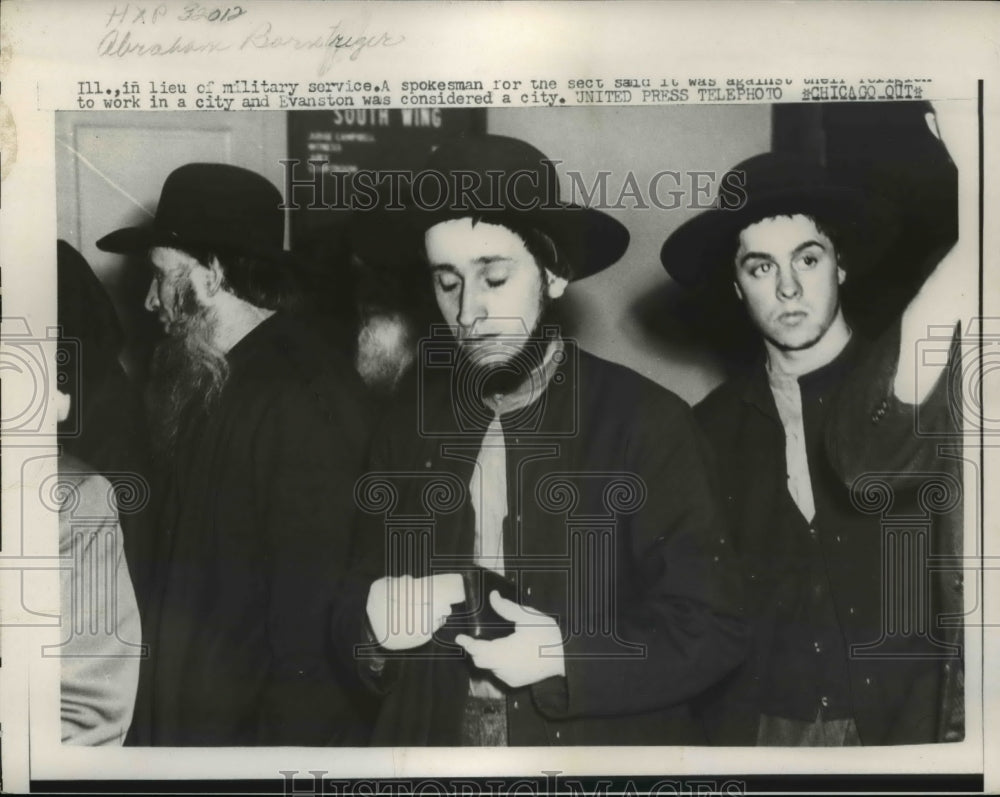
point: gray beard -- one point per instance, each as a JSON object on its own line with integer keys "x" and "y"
{"x": 186, "y": 377}
{"x": 386, "y": 348}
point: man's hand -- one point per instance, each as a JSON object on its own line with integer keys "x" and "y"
{"x": 956, "y": 126}
{"x": 532, "y": 653}
{"x": 404, "y": 611}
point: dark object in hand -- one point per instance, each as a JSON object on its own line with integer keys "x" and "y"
{"x": 476, "y": 617}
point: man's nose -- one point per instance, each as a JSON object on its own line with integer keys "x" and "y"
{"x": 471, "y": 307}
{"x": 152, "y": 302}
{"x": 788, "y": 286}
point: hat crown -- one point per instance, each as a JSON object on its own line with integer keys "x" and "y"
{"x": 221, "y": 203}
{"x": 486, "y": 153}
{"x": 504, "y": 173}
{"x": 771, "y": 175}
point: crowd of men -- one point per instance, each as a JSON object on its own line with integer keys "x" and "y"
{"x": 528, "y": 544}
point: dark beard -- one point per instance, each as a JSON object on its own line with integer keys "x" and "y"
{"x": 186, "y": 376}
{"x": 483, "y": 374}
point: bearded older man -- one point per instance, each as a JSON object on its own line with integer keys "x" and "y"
{"x": 260, "y": 433}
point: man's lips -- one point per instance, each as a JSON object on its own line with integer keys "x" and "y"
{"x": 480, "y": 340}
{"x": 792, "y": 318}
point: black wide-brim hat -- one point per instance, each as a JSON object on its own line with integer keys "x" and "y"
{"x": 211, "y": 205}
{"x": 775, "y": 184}
{"x": 499, "y": 180}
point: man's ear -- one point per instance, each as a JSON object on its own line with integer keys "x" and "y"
{"x": 841, "y": 275}
{"x": 739, "y": 291}
{"x": 216, "y": 280}
{"x": 555, "y": 286}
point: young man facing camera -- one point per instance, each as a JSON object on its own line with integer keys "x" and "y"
{"x": 573, "y": 485}
{"x": 840, "y": 655}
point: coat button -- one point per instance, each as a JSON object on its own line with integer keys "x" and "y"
{"x": 515, "y": 704}
{"x": 824, "y": 701}
{"x": 558, "y": 734}
{"x": 528, "y": 592}
{"x": 850, "y": 610}
{"x": 816, "y": 646}
{"x": 868, "y": 681}
{"x": 427, "y": 464}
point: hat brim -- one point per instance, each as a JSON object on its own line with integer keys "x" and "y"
{"x": 129, "y": 240}
{"x": 701, "y": 249}
{"x": 589, "y": 239}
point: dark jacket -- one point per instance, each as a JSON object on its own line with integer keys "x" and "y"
{"x": 255, "y": 530}
{"x": 914, "y": 456}
{"x": 892, "y": 679}
{"x": 613, "y": 529}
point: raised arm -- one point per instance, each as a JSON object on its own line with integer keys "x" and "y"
{"x": 949, "y": 293}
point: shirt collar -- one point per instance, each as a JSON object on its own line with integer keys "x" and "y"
{"x": 756, "y": 383}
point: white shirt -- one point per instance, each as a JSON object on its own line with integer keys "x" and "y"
{"x": 488, "y": 487}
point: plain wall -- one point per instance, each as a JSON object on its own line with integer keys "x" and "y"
{"x": 620, "y": 313}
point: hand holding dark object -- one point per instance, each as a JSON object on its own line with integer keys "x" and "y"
{"x": 532, "y": 653}
{"x": 405, "y": 611}
{"x": 476, "y": 617}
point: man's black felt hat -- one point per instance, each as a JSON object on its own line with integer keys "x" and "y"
{"x": 213, "y": 205}
{"x": 774, "y": 184}
{"x": 499, "y": 180}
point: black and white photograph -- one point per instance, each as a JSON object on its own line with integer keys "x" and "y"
{"x": 629, "y": 427}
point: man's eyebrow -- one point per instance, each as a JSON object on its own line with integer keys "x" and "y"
{"x": 765, "y": 256}
{"x": 487, "y": 260}
{"x": 806, "y": 245}
{"x": 484, "y": 260}
{"x": 754, "y": 256}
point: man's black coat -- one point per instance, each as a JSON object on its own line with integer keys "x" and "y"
{"x": 255, "y": 532}
{"x": 614, "y": 529}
